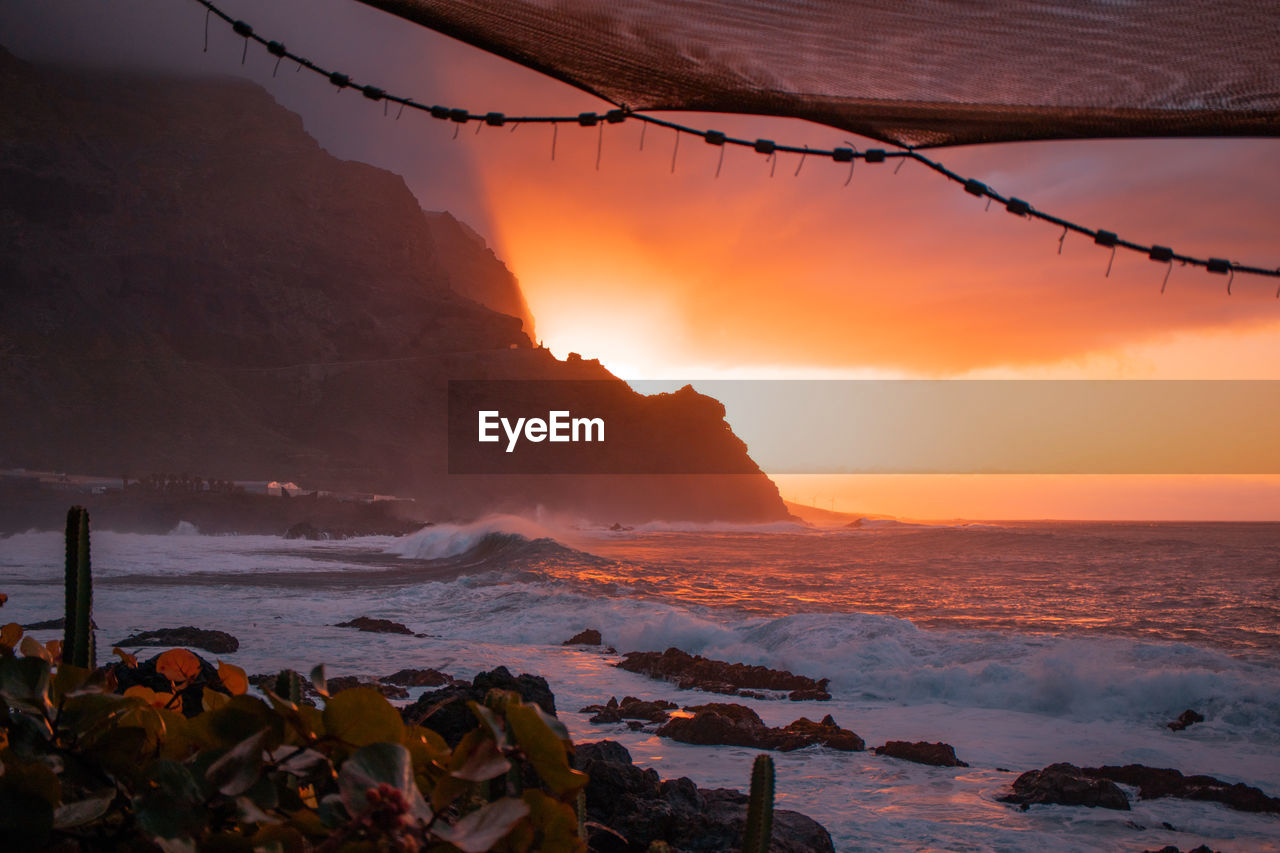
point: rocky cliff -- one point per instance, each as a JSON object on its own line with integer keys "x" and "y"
{"x": 190, "y": 283}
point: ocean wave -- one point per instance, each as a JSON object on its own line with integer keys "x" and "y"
{"x": 486, "y": 539}
{"x": 725, "y": 527}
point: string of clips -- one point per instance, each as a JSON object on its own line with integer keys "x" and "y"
{"x": 850, "y": 155}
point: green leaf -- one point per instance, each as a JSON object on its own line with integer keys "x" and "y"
{"x": 481, "y": 829}
{"x": 174, "y": 807}
{"x": 544, "y": 748}
{"x": 380, "y": 764}
{"x": 307, "y": 764}
{"x": 240, "y": 718}
{"x": 491, "y": 722}
{"x": 24, "y": 682}
{"x": 361, "y": 716}
{"x": 556, "y": 823}
{"x": 477, "y": 759}
{"x": 319, "y": 682}
{"x": 79, "y": 813}
{"x": 237, "y": 770}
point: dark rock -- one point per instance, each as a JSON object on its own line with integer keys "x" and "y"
{"x": 619, "y": 527}
{"x": 1065, "y": 784}
{"x": 218, "y": 642}
{"x": 1203, "y": 848}
{"x": 376, "y": 626}
{"x": 922, "y": 752}
{"x": 809, "y": 695}
{"x": 306, "y": 530}
{"x": 630, "y": 708}
{"x": 589, "y": 637}
{"x": 50, "y": 624}
{"x": 417, "y": 678}
{"x": 641, "y": 808}
{"x": 1186, "y": 718}
{"x": 719, "y": 723}
{"x": 346, "y": 682}
{"x": 716, "y": 676}
{"x": 145, "y": 675}
{"x": 446, "y": 711}
{"x": 1153, "y": 782}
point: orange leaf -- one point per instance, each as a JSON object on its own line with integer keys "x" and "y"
{"x": 179, "y": 666}
{"x": 3, "y": 599}
{"x": 153, "y": 698}
{"x": 233, "y": 678}
{"x": 10, "y": 634}
{"x": 129, "y": 659}
{"x": 55, "y": 649}
{"x": 33, "y": 649}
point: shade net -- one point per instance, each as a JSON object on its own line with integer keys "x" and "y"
{"x": 920, "y": 73}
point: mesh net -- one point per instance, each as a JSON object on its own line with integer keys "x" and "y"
{"x": 917, "y": 73}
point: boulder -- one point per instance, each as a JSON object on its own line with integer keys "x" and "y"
{"x": 630, "y": 708}
{"x": 717, "y": 676}
{"x": 631, "y": 808}
{"x": 1153, "y": 782}
{"x": 1068, "y": 785}
{"x": 306, "y": 530}
{"x": 218, "y": 642}
{"x": 346, "y": 682}
{"x": 50, "y": 624}
{"x": 589, "y": 637}
{"x": 1203, "y": 848}
{"x": 922, "y": 752}
{"x": 1186, "y": 718}
{"x": 377, "y": 626}
{"x": 145, "y": 674}
{"x": 445, "y": 710}
{"x": 724, "y": 724}
{"x": 417, "y": 678}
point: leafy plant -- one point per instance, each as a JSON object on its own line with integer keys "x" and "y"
{"x": 759, "y": 832}
{"x": 86, "y": 768}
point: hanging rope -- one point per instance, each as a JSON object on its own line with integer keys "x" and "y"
{"x": 770, "y": 149}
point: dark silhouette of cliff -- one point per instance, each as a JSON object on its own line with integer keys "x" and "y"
{"x": 190, "y": 283}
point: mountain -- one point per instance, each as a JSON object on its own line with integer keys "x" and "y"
{"x": 190, "y": 283}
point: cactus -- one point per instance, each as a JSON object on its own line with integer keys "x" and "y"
{"x": 77, "y": 643}
{"x": 580, "y": 806}
{"x": 289, "y": 686}
{"x": 759, "y": 830}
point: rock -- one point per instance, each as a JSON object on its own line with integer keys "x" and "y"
{"x": 1203, "y": 848}
{"x": 642, "y": 808}
{"x": 50, "y": 624}
{"x": 446, "y": 711}
{"x": 346, "y": 682}
{"x": 1154, "y": 782}
{"x": 218, "y": 642}
{"x": 305, "y": 530}
{"x": 922, "y": 752}
{"x": 719, "y": 723}
{"x": 716, "y": 676}
{"x": 619, "y": 527}
{"x": 1186, "y": 718}
{"x": 1065, "y": 784}
{"x": 809, "y": 695}
{"x": 417, "y": 678}
{"x": 145, "y": 675}
{"x": 376, "y": 626}
{"x": 630, "y": 708}
{"x": 589, "y": 637}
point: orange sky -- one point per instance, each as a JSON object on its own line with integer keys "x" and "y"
{"x": 687, "y": 276}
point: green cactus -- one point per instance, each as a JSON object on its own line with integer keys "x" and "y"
{"x": 580, "y": 806}
{"x": 77, "y": 643}
{"x": 759, "y": 831}
{"x": 289, "y": 686}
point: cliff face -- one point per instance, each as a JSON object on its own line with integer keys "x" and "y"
{"x": 190, "y": 283}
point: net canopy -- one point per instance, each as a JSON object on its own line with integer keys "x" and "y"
{"x": 919, "y": 73}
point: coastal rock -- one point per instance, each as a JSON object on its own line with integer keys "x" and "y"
{"x": 717, "y": 676}
{"x": 376, "y": 626}
{"x": 446, "y": 711}
{"x": 51, "y": 624}
{"x": 1154, "y": 782}
{"x": 809, "y": 696}
{"x": 305, "y": 530}
{"x": 589, "y": 637}
{"x": 218, "y": 642}
{"x": 347, "y": 682}
{"x": 1068, "y": 785}
{"x": 725, "y": 724}
{"x": 417, "y": 678}
{"x": 922, "y": 752}
{"x": 1185, "y": 719}
{"x": 1203, "y": 848}
{"x": 642, "y": 808}
{"x": 630, "y": 708}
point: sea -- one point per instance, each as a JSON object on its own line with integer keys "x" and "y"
{"x": 1021, "y": 644}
